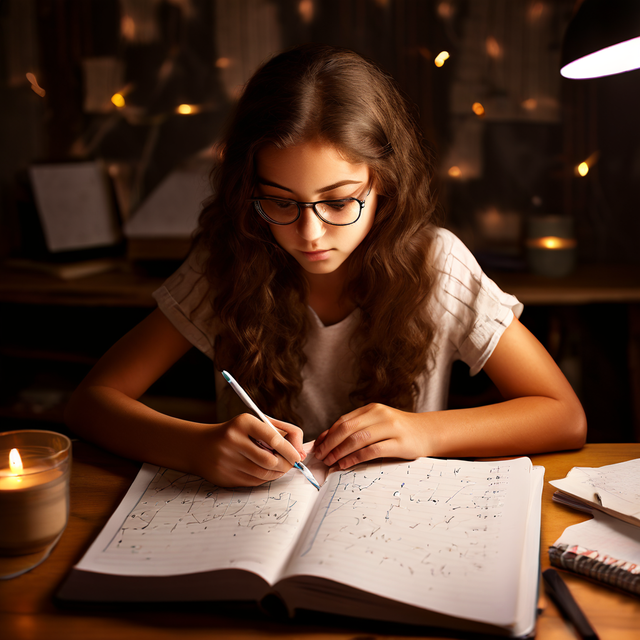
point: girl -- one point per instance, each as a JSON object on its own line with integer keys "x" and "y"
{"x": 320, "y": 279}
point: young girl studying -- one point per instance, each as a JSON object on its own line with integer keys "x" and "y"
{"x": 321, "y": 280}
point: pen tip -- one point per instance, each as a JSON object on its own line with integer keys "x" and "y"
{"x": 225, "y": 375}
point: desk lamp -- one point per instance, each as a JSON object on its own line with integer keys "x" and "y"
{"x": 602, "y": 39}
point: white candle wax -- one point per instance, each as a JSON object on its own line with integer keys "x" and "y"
{"x": 34, "y": 503}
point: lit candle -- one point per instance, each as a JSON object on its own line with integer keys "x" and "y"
{"x": 551, "y": 242}
{"x": 551, "y": 249}
{"x": 34, "y": 489}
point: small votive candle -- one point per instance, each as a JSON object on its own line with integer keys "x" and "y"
{"x": 550, "y": 246}
{"x": 35, "y": 467}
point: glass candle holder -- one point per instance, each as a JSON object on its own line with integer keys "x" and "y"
{"x": 550, "y": 247}
{"x": 35, "y": 468}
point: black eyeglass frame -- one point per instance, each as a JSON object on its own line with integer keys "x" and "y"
{"x": 300, "y": 205}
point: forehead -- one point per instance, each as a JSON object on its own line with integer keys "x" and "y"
{"x": 309, "y": 166}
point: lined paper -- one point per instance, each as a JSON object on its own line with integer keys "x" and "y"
{"x": 457, "y": 537}
{"x": 173, "y": 523}
{"x": 446, "y": 534}
{"x": 614, "y": 487}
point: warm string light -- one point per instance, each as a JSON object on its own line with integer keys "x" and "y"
{"x": 35, "y": 86}
{"x": 454, "y": 172}
{"x": 583, "y": 168}
{"x": 494, "y": 50}
{"x": 118, "y": 99}
{"x": 441, "y": 58}
{"x": 478, "y": 109}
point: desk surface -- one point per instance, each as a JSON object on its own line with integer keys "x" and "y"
{"x": 99, "y": 482}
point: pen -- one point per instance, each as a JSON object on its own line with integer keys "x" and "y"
{"x": 252, "y": 405}
{"x": 561, "y": 595}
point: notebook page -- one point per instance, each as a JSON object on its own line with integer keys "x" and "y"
{"x": 173, "y": 523}
{"x": 444, "y": 534}
{"x": 604, "y": 538}
{"x": 614, "y": 486}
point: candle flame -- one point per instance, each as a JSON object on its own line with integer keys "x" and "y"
{"x": 15, "y": 462}
{"x": 551, "y": 242}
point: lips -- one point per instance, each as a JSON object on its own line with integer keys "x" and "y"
{"x": 314, "y": 256}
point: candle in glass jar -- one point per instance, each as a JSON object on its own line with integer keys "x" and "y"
{"x": 551, "y": 242}
{"x": 34, "y": 489}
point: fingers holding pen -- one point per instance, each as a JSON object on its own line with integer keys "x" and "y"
{"x": 231, "y": 454}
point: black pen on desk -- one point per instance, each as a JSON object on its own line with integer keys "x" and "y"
{"x": 561, "y": 595}
{"x": 244, "y": 396}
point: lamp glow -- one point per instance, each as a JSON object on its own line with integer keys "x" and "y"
{"x": 583, "y": 169}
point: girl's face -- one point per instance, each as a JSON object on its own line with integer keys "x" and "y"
{"x": 310, "y": 172}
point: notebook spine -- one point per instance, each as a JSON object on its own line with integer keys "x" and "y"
{"x": 600, "y": 567}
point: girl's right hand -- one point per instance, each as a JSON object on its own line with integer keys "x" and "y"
{"x": 226, "y": 455}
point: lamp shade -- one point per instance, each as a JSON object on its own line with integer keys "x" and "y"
{"x": 603, "y": 38}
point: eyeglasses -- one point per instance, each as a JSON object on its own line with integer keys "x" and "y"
{"x": 339, "y": 213}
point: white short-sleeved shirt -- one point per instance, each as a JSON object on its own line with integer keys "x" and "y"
{"x": 470, "y": 311}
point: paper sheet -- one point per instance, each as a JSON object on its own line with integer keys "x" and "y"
{"x": 439, "y": 531}
{"x": 615, "y": 487}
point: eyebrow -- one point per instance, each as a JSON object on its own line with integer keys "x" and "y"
{"x": 330, "y": 187}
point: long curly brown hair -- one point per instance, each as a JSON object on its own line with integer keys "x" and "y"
{"x": 259, "y": 292}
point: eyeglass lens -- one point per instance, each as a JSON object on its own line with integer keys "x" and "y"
{"x": 334, "y": 212}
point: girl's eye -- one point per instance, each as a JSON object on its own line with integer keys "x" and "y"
{"x": 336, "y": 205}
{"x": 283, "y": 204}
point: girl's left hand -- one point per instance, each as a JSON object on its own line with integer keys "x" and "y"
{"x": 372, "y": 431}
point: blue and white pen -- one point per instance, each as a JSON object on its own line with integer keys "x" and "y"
{"x": 252, "y": 405}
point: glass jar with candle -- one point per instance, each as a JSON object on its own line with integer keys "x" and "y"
{"x": 550, "y": 245}
{"x": 35, "y": 468}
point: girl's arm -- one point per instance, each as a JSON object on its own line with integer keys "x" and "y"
{"x": 105, "y": 409}
{"x": 540, "y": 412}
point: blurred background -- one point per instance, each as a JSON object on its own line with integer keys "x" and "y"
{"x": 110, "y": 114}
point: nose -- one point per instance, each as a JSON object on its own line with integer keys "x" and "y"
{"x": 308, "y": 226}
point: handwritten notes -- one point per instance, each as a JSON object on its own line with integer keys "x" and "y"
{"x": 429, "y": 525}
{"x": 615, "y": 488}
{"x": 441, "y": 531}
{"x": 181, "y": 524}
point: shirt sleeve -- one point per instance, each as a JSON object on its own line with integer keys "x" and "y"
{"x": 184, "y": 298}
{"x": 470, "y": 307}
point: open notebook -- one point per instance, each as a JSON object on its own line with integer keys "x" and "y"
{"x": 613, "y": 489}
{"x": 433, "y": 542}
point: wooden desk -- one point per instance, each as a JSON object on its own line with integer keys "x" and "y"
{"x": 100, "y": 480}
